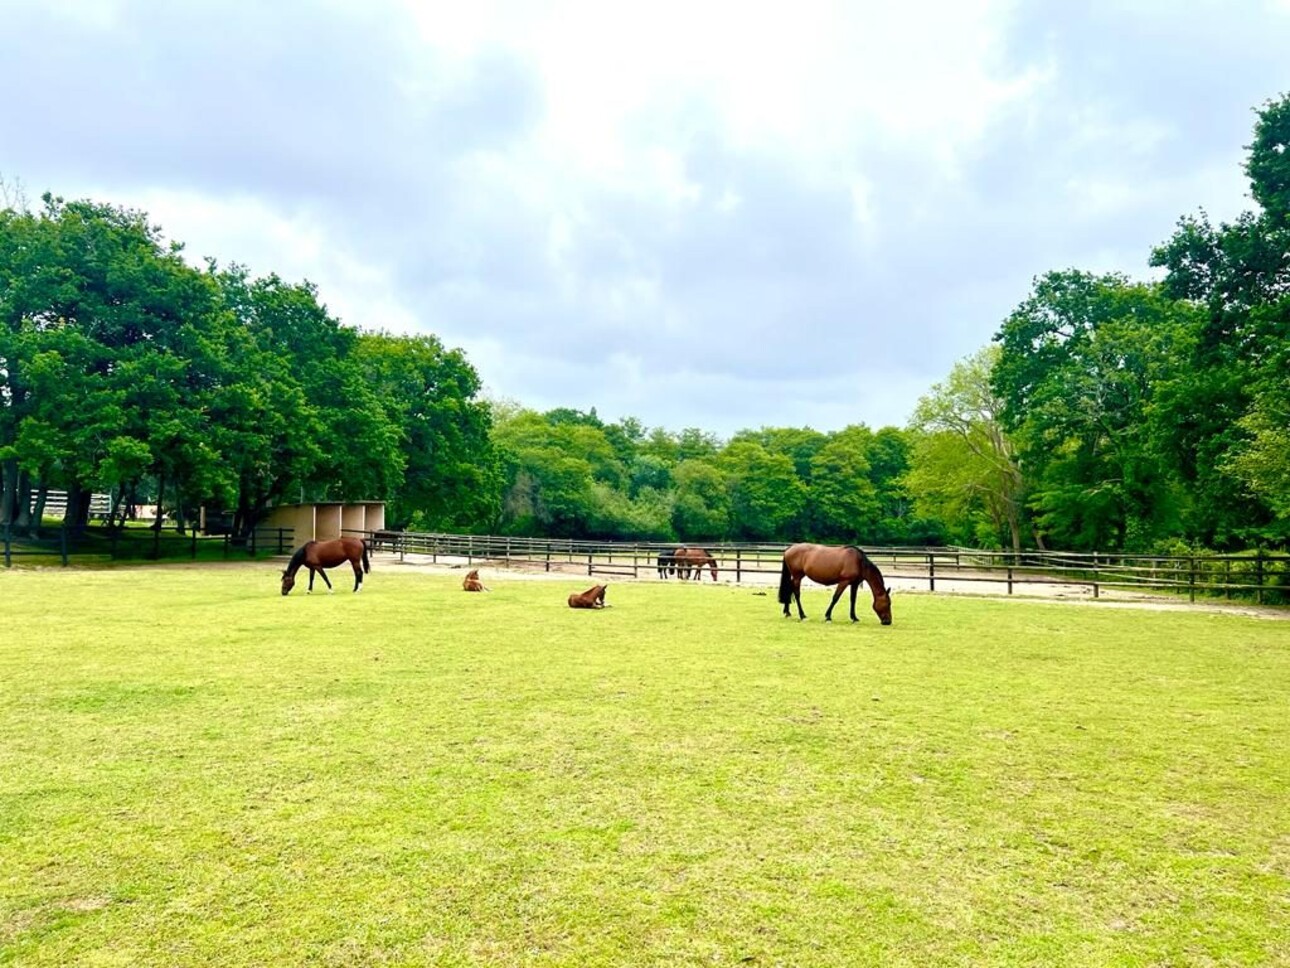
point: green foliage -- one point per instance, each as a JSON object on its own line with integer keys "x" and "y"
{"x": 122, "y": 368}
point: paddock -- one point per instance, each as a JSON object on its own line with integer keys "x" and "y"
{"x": 186, "y": 778}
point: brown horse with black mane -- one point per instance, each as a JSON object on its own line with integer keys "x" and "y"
{"x": 593, "y": 597}
{"x": 845, "y": 567}
{"x": 317, "y": 555}
{"x": 692, "y": 561}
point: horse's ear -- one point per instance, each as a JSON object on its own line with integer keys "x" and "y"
{"x": 889, "y": 591}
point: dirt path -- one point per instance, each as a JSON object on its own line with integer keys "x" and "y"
{"x": 987, "y": 586}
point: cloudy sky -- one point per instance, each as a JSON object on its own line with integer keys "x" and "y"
{"x": 721, "y": 215}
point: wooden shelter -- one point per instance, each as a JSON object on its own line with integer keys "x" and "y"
{"x": 327, "y": 519}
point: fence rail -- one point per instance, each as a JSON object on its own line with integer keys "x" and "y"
{"x": 1261, "y": 576}
{"x": 63, "y": 546}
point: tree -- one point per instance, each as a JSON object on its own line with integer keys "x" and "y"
{"x": 964, "y": 466}
{"x": 765, "y": 491}
{"x": 1079, "y": 362}
{"x": 450, "y": 478}
{"x": 842, "y": 497}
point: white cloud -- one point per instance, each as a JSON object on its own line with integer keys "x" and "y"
{"x": 810, "y": 210}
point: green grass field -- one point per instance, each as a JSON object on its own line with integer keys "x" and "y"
{"x": 197, "y": 771}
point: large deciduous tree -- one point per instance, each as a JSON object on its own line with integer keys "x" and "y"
{"x": 964, "y": 466}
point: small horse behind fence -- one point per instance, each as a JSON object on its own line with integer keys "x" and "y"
{"x": 691, "y": 561}
{"x": 593, "y": 597}
{"x": 317, "y": 555}
{"x": 845, "y": 567}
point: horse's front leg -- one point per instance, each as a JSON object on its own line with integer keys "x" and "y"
{"x": 330, "y": 590}
{"x": 828, "y": 614}
{"x": 310, "y": 590}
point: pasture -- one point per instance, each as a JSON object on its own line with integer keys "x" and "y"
{"x": 195, "y": 770}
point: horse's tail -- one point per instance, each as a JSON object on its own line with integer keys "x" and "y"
{"x": 367, "y": 562}
{"x": 785, "y": 585}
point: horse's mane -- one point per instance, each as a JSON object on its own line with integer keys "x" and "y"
{"x": 864, "y": 559}
{"x": 298, "y": 558}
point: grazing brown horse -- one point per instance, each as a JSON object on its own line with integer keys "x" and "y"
{"x": 593, "y": 597}
{"x": 471, "y": 582}
{"x": 317, "y": 555}
{"x": 845, "y": 567}
{"x": 691, "y": 561}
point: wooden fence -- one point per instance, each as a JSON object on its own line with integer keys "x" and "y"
{"x": 1259, "y": 576}
{"x": 61, "y": 546}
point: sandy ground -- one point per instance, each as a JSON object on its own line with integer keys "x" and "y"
{"x": 491, "y": 570}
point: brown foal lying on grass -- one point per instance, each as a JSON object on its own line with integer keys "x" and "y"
{"x": 593, "y": 597}
{"x": 471, "y": 582}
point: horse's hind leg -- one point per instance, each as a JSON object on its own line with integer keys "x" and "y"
{"x": 358, "y": 576}
{"x": 797, "y": 597}
{"x": 855, "y": 587}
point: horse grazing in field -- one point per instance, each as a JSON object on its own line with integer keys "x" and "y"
{"x": 845, "y": 567}
{"x": 593, "y": 597}
{"x": 667, "y": 563}
{"x": 471, "y": 582}
{"x": 317, "y": 555}
{"x": 692, "y": 560}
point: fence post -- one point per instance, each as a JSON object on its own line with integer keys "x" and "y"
{"x": 1258, "y": 571}
{"x": 589, "y": 563}
{"x": 156, "y": 538}
{"x": 8, "y": 555}
{"x": 931, "y": 573}
{"x": 739, "y": 566}
{"x": 1191, "y": 579}
{"x": 1010, "y": 579}
{"x": 1227, "y": 578}
{"x": 253, "y": 542}
{"x": 62, "y": 541}
{"x": 193, "y": 533}
{"x": 548, "y": 557}
{"x": 470, "y": 548}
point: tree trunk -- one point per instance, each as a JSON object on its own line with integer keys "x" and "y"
{"x": 161, "y": 497}
{"x": 23, "y": 518}
{"x": 9, "y": 492}
{"x": 38, "y": 512}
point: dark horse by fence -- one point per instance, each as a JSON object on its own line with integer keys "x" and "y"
{"x": 692, "y": 560}
{"x": 667, "y": 562}
{"x": 317, "y": 555}
{"x": 845, "y": 567}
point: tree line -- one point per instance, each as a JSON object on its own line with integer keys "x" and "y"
{"x": 1106, "y": 413}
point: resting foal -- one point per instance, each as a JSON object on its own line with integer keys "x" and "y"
{"x": 593, "y": 597}
{"x": 471, "y": 582}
